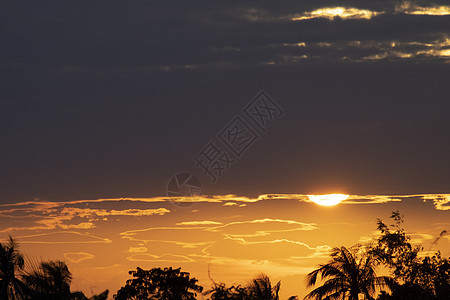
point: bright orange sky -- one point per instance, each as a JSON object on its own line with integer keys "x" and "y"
{"x": 285, "y": 236}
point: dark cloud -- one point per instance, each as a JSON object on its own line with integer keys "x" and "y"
{"x": 108, "y": 98}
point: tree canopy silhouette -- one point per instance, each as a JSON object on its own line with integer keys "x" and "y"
{"x": 50, "y": 280}
{"x": 47, "y": 280}
{"x": 219, "y": 291}
{"x": 415, "y": 277}
{"x": 346, "y": 276}
{"x": 261, "y": 288}
{"x": 258, "y": 288}
{"x": 11, "y": 265}
{"x": 157, "y": 283}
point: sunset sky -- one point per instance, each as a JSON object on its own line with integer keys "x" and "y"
{"x": 104, "y": 102}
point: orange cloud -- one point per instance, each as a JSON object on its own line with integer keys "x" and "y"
{"x": 440, "y": 201}
{"x": 62, "y": 237}
{"x": 76, "y": 257}
{"x": 155, "y": 258}
{"x": 188, "y": 223}
{"x": 137, "y": 249}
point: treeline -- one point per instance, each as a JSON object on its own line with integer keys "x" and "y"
{"x": 351, "y": 273}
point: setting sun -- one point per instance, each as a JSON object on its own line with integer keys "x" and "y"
{"x": 328, "y": 200}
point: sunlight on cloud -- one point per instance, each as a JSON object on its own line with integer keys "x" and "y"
{"x": 137, "y": 249}
{"x": 84, "y": 225}
{"x": 328, "y": 200}
{"x": 392, "y": 54}
{"x": 411, "y": 49}
{"x": 436, "y": 53}
{"x": 413, "y": 9}
{"x": 301, "y": 44}
{"x": 337, "y": 12}
{"x": 189, "y": 223}
{"x": 157, "y": 258}
{"x": 50, "y": 224}
{"x": 371, "y": 199}
{"x": 183, "y": 237}
{"x": 440, "y": 201}
{"x": 62, "y": 237}
{"x": 76, "y": 257}
{"x": 196, "y": 237}
{"x": 277, "y": 241}
{"x": 433, "y": 48}
{"x": 107, "y": 267}
{"x": 234, "y": 239}
{"x": 359, "y": 51}
{"x": 259, "y": 224}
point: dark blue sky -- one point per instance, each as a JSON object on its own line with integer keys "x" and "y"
{"x": 110, "y": 98}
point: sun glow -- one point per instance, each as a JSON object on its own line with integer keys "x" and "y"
{"x": 328, "y": 200}
{"x": 333, "y": 12}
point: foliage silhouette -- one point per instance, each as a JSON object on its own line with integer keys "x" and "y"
{"x": 346, "y": 276}
{"x": 157, "y": 283}
{"x": 219, "y": 291}
{"x": 393, "y": 248}
{"x": 351, "y": 273}
{"x": 11, "y": 265}
{"x": 261, "y": 288}
{"x": 51, "y": 280}
{"x": 415, "y": 277}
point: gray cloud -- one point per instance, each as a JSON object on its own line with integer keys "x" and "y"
{"x": 115, "y": 97}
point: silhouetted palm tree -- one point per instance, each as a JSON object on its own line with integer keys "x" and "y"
{"x": 346, "y": 277}
{"x": 11, "y": 263}
{"x": 51, "y": 280}
{"x": 261, "y": 288}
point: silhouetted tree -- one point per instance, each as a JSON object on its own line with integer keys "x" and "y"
{"x": 415, "y": 277}
{"x": 157, "y": 283}
{"x": 219, "y": 291}
{"x": 50, "y": 280}
{"x": 11, "y": 265}
{"x": 393, "y": 248}
{"x": 261, "y": 288}
{"x": 101, "y": 296}
{"x": 81, "y": 296}
{"x": 346, "y": 276}
{"x": 428, "y": 280}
